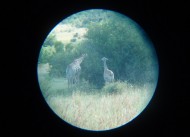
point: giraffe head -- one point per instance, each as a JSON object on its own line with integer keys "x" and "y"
{"x": 84, "y": 55}
{"x": 80, "y": 59}
{"x": 104, "y": 59}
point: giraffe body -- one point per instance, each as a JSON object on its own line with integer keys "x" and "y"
{"x": 108, "y": 74}
{"x": 73, "y": 71}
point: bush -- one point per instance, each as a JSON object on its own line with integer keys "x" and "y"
{"x": 115, "y": 87}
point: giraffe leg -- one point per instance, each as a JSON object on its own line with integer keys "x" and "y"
{"x": 69, "y": 82}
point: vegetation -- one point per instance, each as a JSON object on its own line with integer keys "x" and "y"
{"x": 130, "y": 55}
{"x": 97, "y": 109}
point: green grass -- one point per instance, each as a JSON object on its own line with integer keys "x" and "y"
{"x": 101, "y": 109}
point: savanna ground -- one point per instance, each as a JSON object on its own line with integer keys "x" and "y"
{"x": 95, "y": 109}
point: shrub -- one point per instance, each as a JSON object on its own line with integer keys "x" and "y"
{"x": 114, "y": 88}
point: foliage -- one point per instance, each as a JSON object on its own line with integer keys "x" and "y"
{"x": 46, "y": 54}
{"x": 111, "y": 35}
{"x": 116, "y": 87}
{"x": 128, "y": 55}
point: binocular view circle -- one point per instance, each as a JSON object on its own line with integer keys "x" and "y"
{"x": 97, "y": 70}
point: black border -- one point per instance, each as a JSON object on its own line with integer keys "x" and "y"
{"x": 165, "y": 23}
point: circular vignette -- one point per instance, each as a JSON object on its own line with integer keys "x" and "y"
{"x": 97, "y": 70}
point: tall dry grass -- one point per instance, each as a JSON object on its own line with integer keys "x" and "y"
{"x": 100, "y": 110}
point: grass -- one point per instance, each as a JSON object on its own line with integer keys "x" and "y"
{"x": 112, "y": 106}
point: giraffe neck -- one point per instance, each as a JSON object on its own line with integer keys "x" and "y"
{"x": 105, "y": 65}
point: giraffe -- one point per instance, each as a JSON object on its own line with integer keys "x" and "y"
{"x": 73, "y": 70}
{"x": 108, "y": 74}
